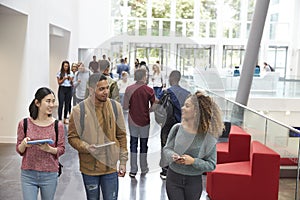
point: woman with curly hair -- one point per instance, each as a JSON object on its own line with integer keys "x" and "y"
{"x": 191, "y": 147}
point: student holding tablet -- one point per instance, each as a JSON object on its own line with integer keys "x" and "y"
{"x": 39, "y": 167}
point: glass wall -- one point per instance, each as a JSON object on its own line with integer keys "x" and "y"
{"x": 206, "y": 23}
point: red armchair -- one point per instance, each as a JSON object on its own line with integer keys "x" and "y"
{"x": 255, "y": 179}
{"x": 236, "y": 149}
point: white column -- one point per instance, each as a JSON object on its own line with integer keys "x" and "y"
{"x": 256, "y": 31}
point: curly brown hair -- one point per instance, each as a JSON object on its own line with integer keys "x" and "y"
{"x": 208, "y": 117}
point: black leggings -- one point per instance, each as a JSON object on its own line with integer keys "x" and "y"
{"x": 64, "y": 97}
{"x": 183, "y": 187}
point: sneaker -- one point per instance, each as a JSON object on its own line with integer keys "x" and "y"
{"x": 132, "y": 175}
{"x": 163, "y": 175}
{"x": 66, "y": 121}
{"x": 145, "y": 172}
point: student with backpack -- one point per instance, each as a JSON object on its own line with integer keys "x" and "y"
{"x": 40, "y": 166}
{"x": 97, "y": 131}
{"x": 177, "y": 96}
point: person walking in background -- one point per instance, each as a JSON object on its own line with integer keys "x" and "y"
{"x": 143, "y": 65}
{"x": 268, "y": 67}
{"x": 136, "y": 64}
{"x": 74, "y": 69}
{"x": 113, "y": 86}
{"x": 93, "y": 65}
{"x": 100, "y": 140}
{"x": 157, "y": 79}
{"x": 123, "y": 83}
{"x": 122, "y": 67}
{"x": 178, "y": 96}
{"x": 191, "y": 147}
{"x": 137, "y": 98}
{"x": 64, "y": 80}
{"x": 39, "y": 169}
{"x": 80, "y": 82}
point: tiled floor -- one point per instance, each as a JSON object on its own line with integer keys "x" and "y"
{"x": 71, "y": 186}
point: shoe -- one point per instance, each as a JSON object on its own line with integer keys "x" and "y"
{"x": 66, "y": 121}
{"x": 163, "y": 175}
{"x": 145, "y": 172}
{"x": 132, "y": 175}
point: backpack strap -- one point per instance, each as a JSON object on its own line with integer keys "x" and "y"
{"x": 56, "y": 130}
{"x": 113, "y": 103}
{"x": 25, "y": 126}
{"x": 177, "y": 128}
{"x": 82, "y": 113}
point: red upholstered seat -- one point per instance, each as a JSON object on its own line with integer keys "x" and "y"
{"x": 255, "y": 179}
{"x": 236, "y": 149}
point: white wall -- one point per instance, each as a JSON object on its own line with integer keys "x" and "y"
{"x": 25, "y": 54}
{"x": 94, "y": 22}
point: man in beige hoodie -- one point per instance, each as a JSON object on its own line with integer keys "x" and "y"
{"x": 97, "y": 131}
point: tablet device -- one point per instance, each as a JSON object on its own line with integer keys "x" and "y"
{"x": 103, "y": 145}
{"x": 49, "y": 141}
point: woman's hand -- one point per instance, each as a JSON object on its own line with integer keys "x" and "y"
{"x": 46, "y": 147}
{"x": 188, "y": 160}
{"x": 23, "y": 145}
{"x": 24, "y": 142}
{"x": 183, "y": 160}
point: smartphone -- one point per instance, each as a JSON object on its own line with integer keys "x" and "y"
{"x": 176, "y": 157}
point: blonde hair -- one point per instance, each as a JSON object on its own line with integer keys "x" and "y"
{"x": 124, "y": 74}
{"x": 157, "y": 68}
{"x": 208, "y": 117}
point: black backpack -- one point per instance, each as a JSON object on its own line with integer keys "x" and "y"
{"x": 60, "y": 166}
{"x": 164, "y": 111}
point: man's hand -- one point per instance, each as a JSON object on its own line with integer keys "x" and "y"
{"x": 122, "y": 170}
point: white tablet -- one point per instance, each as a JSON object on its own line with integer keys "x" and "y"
{"x": 105, "y": 144}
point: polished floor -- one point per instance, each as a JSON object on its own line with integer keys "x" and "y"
{"x": 70, "y": 185}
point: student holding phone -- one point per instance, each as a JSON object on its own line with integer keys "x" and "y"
{"x": 191, "y": 147}
{"x": 39, "y": 169}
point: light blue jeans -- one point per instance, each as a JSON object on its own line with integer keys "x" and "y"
{"x": 33, "y": 180}
{"x": 109, "y": 184}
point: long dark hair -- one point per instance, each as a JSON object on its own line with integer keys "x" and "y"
{"x": 62, "y": 69}
{"x": 39, "y": 95}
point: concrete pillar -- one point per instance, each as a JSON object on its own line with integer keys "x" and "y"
{"x": 252, "y": 49}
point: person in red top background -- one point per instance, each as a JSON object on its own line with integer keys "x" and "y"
{"x": 39, "y": 169}
{"x": 136, "y": 99}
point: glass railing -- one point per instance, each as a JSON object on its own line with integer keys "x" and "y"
{"x": 280, "y": 137}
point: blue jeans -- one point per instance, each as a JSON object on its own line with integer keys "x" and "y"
{"x": 33, "y": 180}
{"x": 157, "y": 91}
{"x": 137, "y": 132}
{"x": 109, "y": 184}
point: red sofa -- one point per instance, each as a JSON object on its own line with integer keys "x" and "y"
{"x": 257, "y": 179}
{"x": 236, "y": 149}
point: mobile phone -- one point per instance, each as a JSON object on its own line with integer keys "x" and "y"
{"x": 177, "y": 157}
